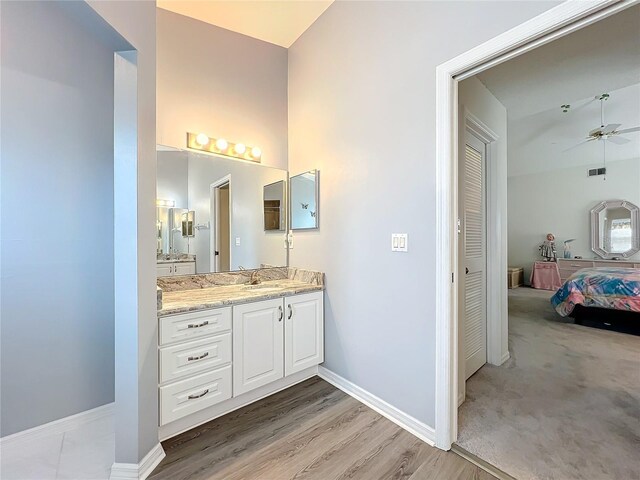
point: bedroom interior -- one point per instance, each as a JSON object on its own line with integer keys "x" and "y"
{"x": 563, "y": 402}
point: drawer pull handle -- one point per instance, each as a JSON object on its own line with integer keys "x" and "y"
{"x": 281, "y": 314}
{"x": 191, "y": 359}
{"x": 193, "y": 397}
{"x": 198, "y": 325}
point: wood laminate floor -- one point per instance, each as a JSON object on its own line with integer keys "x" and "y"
{"x": 309, "y": 431}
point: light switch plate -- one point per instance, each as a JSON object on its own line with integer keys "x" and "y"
{"x": 237, "y": 241}
{"x": 399, "y": 242}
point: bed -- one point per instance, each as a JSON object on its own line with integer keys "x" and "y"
{"x": 605, "y": 288}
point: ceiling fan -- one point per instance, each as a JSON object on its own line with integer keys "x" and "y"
{"x": 609, "y": 132}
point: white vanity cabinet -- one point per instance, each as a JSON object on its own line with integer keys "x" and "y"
{"x": 210, "y": 359}
{"x": 258, "y": 352}
{"x": 177, "y": 268}
{"x": 303, "y": 332}
{"x": 194, "y": 362}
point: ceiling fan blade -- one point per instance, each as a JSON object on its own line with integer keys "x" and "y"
{"x": 577, "y": 145}
{"x": 629, "y": 130}
{"x": 618, "y": 140}
{"x": 611, "y": 127}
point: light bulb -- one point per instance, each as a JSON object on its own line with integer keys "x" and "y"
{"x": 202, "y": 139}
{"x": 240, "y": 148}
{"x": 222, "y": 144}
{"x": 256, "y": 152}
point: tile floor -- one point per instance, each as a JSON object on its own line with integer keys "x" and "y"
{"x": 84, "y": 453}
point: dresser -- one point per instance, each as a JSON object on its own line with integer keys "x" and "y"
{"x": 568, "y": 266}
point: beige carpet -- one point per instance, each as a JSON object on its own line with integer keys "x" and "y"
{"x": 565, "y": 406}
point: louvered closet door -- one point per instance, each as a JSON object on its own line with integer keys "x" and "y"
{"x": 475, "y": 258}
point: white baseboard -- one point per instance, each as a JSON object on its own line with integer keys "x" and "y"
{"x": 138, "y": 471}
{"x": 421, "y": 430}
{"x": 60, "y": 426}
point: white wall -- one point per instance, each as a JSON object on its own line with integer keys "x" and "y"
{"x": 559, "y": 202}
{"x": 257, "y": 246}
{"x": 57, "y": 217}
{"x": 475, "y": 100}
{"x": 221, "y": 83}
{"x": 362, "y": 110}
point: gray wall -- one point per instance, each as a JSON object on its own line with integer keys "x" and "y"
{"x": 362, "y": 110}
{"x": 135, "y": 292}
{"x": 173, "y": 175}
{"x": 221, "y": 83}
{"x": 57, "y": 313}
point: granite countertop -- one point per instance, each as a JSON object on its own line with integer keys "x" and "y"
{"x": 182, "y": 301}
{"x": 175, "y": 260}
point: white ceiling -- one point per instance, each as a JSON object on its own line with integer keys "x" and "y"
{"x": 278, "y": 22}
{"x": 602, "y": 58}
{"x": 537, "y": 143}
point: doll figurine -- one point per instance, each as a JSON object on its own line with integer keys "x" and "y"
{"x": 548, "y": 248}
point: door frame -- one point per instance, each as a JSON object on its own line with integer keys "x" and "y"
{"x": 215, "y": 225}
{"x": 555, "y": 23}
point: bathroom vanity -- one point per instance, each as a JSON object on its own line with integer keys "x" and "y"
{"x": 224, "y": 343}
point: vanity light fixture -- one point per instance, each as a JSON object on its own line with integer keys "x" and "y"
{"x": 165, "y": 203}
{"x": 220, "y": 146}
{"x": 202, "y": 139}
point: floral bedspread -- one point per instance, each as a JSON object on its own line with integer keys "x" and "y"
{"x": 617, "y": 288}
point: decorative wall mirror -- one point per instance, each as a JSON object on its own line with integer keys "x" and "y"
{"x": 304, "y": 200}
{"x": 614, "y": 229}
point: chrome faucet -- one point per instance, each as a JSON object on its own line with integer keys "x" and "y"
{"x": 254, "y": 278}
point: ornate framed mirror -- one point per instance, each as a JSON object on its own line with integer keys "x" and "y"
{"x": 614, "y": 229}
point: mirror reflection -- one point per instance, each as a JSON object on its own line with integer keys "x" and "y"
{"x": 224, "y": 214}
{"x": 274, "y": 206}
{"x": 615, "y": 229}
{"x": 304, "y": 200}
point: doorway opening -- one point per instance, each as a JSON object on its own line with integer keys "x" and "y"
{"x": 477, "y": 195}
{"x": 557, "y": 22}
{"x": 220, "y": 213}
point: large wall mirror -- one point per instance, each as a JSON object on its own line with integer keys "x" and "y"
{"x": 304, "y": 200}
{"x": 220, "y": 213}
{"x": 614, "y": 229}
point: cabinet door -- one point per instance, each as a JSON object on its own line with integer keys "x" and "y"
{"x": 165, "y": 269}
{"x": 258, "y": 350}
{"x": 304, "y": 332}
{"x": 184, "y": 268}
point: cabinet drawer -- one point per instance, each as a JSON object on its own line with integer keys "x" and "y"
{"x": 613, "y": 263}
{"x": 186, "y": 268}
{"x": 187, "y": 326}
{"x": 184, "y": 359}
{"x": 189, "y": 396}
